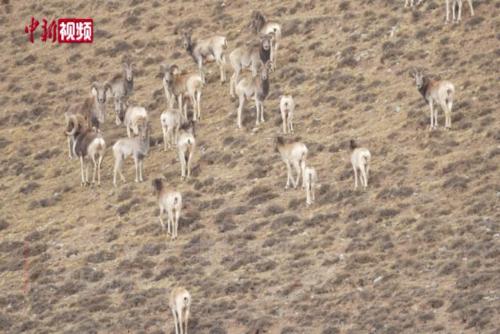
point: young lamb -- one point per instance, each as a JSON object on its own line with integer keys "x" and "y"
{"x": 180, "y": 302}
{"x": 186, "y": 145}
{"x": 432, "y": 91}
{"x": 86, "y": 144}
{"x": 137, "y": 147}
{"x": 311, "y": 178}
{"x": 456, "y": 10}
{"x": 256, "y": 87}
{"x": 177, "y": 84}
{"x": 207, "y": 50}
{"x": 170, "y": 202}
{"x": 251, "y": 56}
{"x": 170, "y": 124}
{"x": 360, "y": 160}
{"x": 292, "y": 153}
{"x": 123, "y": 85}
{"x": 130, "y": 116}
{"x": 92, "y": 109}
{"x": 287, "y": 108}
{"x": 260, "y": 25}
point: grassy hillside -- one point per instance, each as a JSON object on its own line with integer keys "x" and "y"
{"x": 417, "y": 252}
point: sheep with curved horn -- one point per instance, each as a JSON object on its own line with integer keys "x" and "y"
{"x": 86, "y": 144}
{"x": 92, "y": 109}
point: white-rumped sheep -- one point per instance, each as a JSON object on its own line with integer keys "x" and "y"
{"x": 170, "y": 202}
{"x": 170, "y": 120}
{"x": 180, "y": 303}
{"x": 251, "y": 56}
{"x": 86, "y": 144}
{"x": 137, "y": 147}
{"x": 311, "y": 178}
{"x": 360, "y": 160}
{"x": 132, "y": 117}
{"x": 123, "y": 85}
{"x": 177, "y": 84}
{"x": 256, "y": 87}
{"x": 92, "y": 109}
{"x": 287, "y": 108}
{"x": 294, "y": 154}
{"x": 432, "y": 91}
{"x": 186, "y": 144}
{"x": 206, "y": 50}
{"x": 456, "y": 10}
{"x": 260, "y": 25}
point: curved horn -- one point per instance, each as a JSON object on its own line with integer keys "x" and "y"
{"x": 72, "y": 120}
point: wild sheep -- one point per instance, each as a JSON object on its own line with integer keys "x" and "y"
{"x": 86, "y": 144}
{"x": 256, "y": 87}
{"x": 360, "y": 160}
{"x": 311, "y": 178}
{"x": 123, "y": 85}
{"x": 180, "y": 302}
{"x": 132, "y": 117}
{"x": 92, "y": 109}
{"x": 137, "y": 147}
{"x": 432, "y": 91}
{"x": 456, "y": 10}
{"x": 177, "y": 84}
{"x": 186, "y": 144}
{"x": 287, "y": 108}
{"x": 170, "y": 202}
{"x": 411, "y": 3}
{"x": 292, "y": 153}
{"x": 170, "y": 124}
{"x": 260, "y": 25}
{"x": 206, "y": 50}
{"x": 251, "y": 56}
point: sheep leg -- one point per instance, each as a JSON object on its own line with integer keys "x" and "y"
{"x": 165, "y": 136}
{"x": 367, "y": 166}
{"x": 141, "y": 170}
{"x": 99, "y": 169}
{"x": 303, "y": 171}
{"x": 290, "y": 122}
{"x": 81, "y": 170}
{"x": 450, "y": 105}
{"x": 288, "y": 175}
{"x": 171, "y": 222}
{"x": 431, "y": 106}
{"x": 70, "y": 148}
{"x": 177, "y": 215}
{"x": 364, "y": 181}
{"x": 176, "y": 321}
{"x": 275, "y": 57}
{"x": 232, "y": 83}
{"x": 162, "y": 224}
{"x": 308, "y": 196}
{"x": 186, "y": 319}
{"x": 198, "y": 106}
{"x": 471, "y": 11}
{"x": 182, "y": 159}
{"x": 136, "y": 163}
{"x": 312, "y": 192}
{"x": 200, "y": 68}
{"x": 94, "y": 169}
{"x": 86, "y": 173}
{"x": 262, "y": 120}
{"x": 355, "y": 177}
{"x": 189, "y": 162}
{"x": 296, "y": 165}
{"x": 283, "y": 118}
{"x": 447, "y": 11}
{"x": 257, "y": 110}
{"x": 447, "y": 116}
{"x": 240, "y": 110}
{"x": 459, "y": 16}
{"x": 128, "y": 131}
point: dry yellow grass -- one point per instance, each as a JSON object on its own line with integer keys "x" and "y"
{"x": 418, "y": 252}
